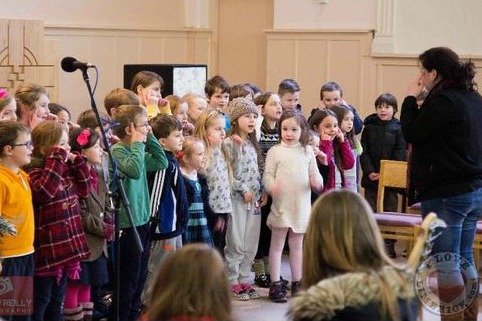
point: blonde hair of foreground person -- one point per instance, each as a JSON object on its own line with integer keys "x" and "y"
{"x": 191, "y": 284}
{"x": 344, "y": 257}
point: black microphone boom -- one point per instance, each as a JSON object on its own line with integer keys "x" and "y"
{"x": 70, "y": 64}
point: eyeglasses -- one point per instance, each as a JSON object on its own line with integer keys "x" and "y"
{"x": 26, "y": 144}
{"x": 142, "y": 125}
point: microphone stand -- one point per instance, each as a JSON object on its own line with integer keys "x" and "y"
{"x": 121, "y": 195}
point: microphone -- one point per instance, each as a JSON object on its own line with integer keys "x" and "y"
{"x": 70, "y": 64}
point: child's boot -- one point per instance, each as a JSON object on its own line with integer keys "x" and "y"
{"x": 88, "y": 309}
{"x": 277, "y": 292}
{"x": 295, "y": 287}
{"x": 75, "y": 314}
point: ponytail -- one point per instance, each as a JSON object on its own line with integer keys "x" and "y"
{"x": 467, "y": 75}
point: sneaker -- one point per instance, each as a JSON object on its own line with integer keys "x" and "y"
{"x": 239, "y": 293}
{"x": 277, "y": 292}
{"x": 262, "y": 280}
{"x": 253, "y": 294}
{"x": 295, "y": 287}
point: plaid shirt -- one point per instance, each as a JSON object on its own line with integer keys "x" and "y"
{"x": 56, "y": 187}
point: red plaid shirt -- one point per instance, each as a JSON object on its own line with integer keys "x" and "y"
{"x": 56, "y": 188}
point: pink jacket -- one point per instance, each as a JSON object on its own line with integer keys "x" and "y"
{"x": 347, "y": 161}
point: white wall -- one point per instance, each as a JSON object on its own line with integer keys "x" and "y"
{"x": 417, "y": 24}
{"x": 335, "y": 14}
{"x": 137, "y": 14}
{"x": 111, "y": 33}
{"x": 421, "y": 24}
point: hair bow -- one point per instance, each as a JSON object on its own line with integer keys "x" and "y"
{"x": 179, "y": 155}
{"x": 3, "y": 93}
{"x": 83, "y": 138}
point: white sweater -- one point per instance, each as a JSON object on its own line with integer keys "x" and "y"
{"x": 291, "y": 169}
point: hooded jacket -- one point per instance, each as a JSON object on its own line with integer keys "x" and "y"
{"x": 354, "y": 296}
{"x": 380, "y": 140}
{"x": 446, "y": 136}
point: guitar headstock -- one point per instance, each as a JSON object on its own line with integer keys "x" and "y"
{"x": 429, "y": 230}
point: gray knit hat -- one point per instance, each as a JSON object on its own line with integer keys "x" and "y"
{"x": 239, "y": 107}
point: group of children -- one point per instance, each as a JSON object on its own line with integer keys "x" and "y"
{"x": 237, "y": 170}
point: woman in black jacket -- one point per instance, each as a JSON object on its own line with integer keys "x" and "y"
{"x": 446, "y": 161}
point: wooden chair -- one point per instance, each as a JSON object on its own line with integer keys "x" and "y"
{"x": 478, "y": 244}
{"x": 395, "y": 225}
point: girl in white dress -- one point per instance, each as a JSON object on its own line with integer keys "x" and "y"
{"x": 290, "y": 175}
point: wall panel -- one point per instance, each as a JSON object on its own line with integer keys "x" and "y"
{"x": 110, "y": 49}
{"x": 314, "y": 57}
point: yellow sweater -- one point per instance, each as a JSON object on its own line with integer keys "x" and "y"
{"x": 16, "y": 206}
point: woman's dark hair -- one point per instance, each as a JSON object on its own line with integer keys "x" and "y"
{"x": 449, "y": 67}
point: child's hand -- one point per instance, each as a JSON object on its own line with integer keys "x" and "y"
{"x": 72, "y": 125}
{"x": 71, "y": 156}
{"x": 162, "y": 103}
{"x": 113, "y": 139}
{"x": 188, "y": 127}
{"x": 324, "y": 136}
{"x": 149, "y": 97}
{"x": 263, "y": 199}
{"x": 237, "y": 139}
{"x": 220, "y": 224}
{"x": 340, "y": 135}
{"x": 374, "y": 176}
{"x": 51, "y": 116}
{"x": 248, "y": 197}
{"x": 164, "y": 106}
{"x": 322, "y": 158}
{"x": 137, "y": 136}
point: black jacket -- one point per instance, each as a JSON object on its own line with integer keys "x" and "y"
{"x": 380, "y": 140}
{"x": 169, "y": 207}
{"x": 446, "y": 135}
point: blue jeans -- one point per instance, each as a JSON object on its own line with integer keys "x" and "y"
{"x": 461, "y": 213}
{"x": 49, "y": 298}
